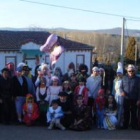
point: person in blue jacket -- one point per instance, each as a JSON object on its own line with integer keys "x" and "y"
{"x": 130, "y": 89}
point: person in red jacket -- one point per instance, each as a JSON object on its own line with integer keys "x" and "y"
{"x": 81, "y": 89}
{"x": 99, "y": 107}
{"x": 30, "y": 110}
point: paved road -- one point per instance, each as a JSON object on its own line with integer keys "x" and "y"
{"x": 22, "y": 132}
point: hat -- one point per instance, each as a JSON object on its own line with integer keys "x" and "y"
{"x": 26, "y": 68}
{"x": 101, "y": 91}
{"x": 130, "y": 66}
{"x": 66, "y": 82}
{"x": 19, "y": 69}
{"x": 62, "y": 94}
{"x": 95, "y": 69}
{"x": 120, "y": 68}
{"x": 21, "y": 64}
{"x": 54, "y": 78}
{"x": 101, "y": 69}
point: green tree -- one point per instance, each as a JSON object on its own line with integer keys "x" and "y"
{"x": 130, "y": 51}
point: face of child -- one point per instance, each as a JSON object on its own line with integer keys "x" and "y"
{"x": 5, "y": 74}
{"x": 110, "y": 99}
{"x": 63, "y": 98}
{"x": 73, "y": 78}
{"x": 30, "y": 100}
{"x": 55, "y": 82}
{"x": 80, "y": 101}
{"x": 66, "y": 86}
{"x": 54, "y": 106}
{"x": 81, "y": 83}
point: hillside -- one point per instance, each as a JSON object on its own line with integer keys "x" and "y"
{"x": 106, "y": 42}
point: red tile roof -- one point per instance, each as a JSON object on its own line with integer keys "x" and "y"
{"x": 12, "y": 40}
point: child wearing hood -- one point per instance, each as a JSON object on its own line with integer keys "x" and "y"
{"x": 30, "y": 110}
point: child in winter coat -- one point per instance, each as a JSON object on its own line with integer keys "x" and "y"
{"x": 54, "y": 115}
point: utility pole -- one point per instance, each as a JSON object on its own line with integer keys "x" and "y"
{"x": 122, "y": 43}
{"x": 136, "y": 51}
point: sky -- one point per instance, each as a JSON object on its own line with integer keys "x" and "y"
{"x": 23, "y": 14}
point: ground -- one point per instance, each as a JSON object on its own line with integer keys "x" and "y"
{"x": 21, "y": 132}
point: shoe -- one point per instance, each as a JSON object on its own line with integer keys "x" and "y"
{"x": 63, "y": 128}
{"x": 50, "y": 128}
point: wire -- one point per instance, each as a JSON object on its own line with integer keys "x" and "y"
{"x": 83, "y": 10}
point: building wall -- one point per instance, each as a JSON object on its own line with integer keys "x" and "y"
{"x": 70, "y": 56}
{"x": 64, "y": 60}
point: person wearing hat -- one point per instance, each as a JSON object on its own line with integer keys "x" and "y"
{"x": 93, "y": 85}
{"x": 30, "y": 110}
{"x": 67, "y": 108}
{"x": 130, "y": 90}
{"x": 83, "y": 72}
{"x": 82, "y": 90}
{"x": 25, "y": 73}
{"x": 67, "y": 88}
{"x": 19, "y": 91}
{"x": 117, "y": 94}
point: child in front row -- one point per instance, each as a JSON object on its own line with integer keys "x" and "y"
{"x": 30, "y": 111}
{"x": 54, "y": 114}
{"x": 99, "y": 108}
{"x": 110, "y": 120}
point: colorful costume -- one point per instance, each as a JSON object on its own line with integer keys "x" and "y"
{"x": 30, "y": 110}
{"x": 52, "y": 93}
{"x": 110, "y": 120}
{"x": 99, "y": 105}
{"x": 54, "y": 116}
{"x": 41, "y": 97}
{"x": 82, "y": 90}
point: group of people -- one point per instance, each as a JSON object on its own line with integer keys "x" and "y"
{"x": 75, "y": 100}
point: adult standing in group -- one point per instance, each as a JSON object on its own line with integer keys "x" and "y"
{"x": 26, "y": 73}
{"x": 93, "y": 84}
{"x": 5, "y": 96}
{"x": 19, "y": 91}
{"x": 130, "y": 87}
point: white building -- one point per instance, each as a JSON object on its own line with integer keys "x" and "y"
{"x": 19, "y": 46}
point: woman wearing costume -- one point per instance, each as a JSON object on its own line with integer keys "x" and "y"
{"x": 41, "y": 96}
{"x": 110, "y": 120}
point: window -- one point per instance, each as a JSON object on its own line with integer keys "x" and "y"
{"x": 10, "y": 59}
{"x": 80, "y": 59}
